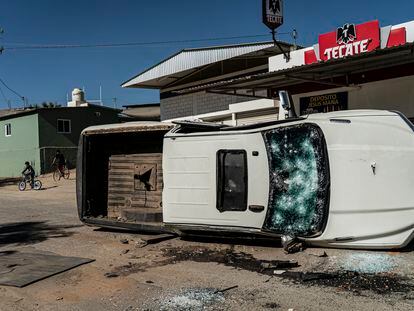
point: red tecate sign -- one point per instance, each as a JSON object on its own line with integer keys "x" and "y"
{"x": 349, "y": 40}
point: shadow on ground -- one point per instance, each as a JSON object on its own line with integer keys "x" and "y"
{"x": 407, "y": 249}
{"x": 47, "y": 188}
{"x": 126, "y": 231}
{"x": 229, "y": 239}
{"x": 23, "y": 233}
{"x": 246, "y": 240}
{"x": 9, "y": 182}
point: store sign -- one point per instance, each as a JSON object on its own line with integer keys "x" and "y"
{"x": 349, "y": 40}
{"x": 324, "y": 103}
{"x": 272, "y": 13}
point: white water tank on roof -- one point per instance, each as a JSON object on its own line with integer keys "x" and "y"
{"x": 78, "y": 98}
{"x": 78, "y": 95}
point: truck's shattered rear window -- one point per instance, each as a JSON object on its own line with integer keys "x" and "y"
{"x": 299, "y": 180}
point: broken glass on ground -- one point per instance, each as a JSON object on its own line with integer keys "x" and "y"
{"x": 192, "y": 299}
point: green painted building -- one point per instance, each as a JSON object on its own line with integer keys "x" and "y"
{"x": 34, "y": 135}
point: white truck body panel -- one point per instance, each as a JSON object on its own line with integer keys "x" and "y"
{"x": 376, "y": 210}
{"x": 190, "y": 180}
{"x": 371, "y": 169}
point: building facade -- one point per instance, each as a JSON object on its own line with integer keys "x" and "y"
{"x": 191, "y": 68}
{"x": 372, "y": 68}
{"x": 34, "y": 135}
{"x": 356, "y": 66}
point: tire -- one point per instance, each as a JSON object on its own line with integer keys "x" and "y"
{"x": 56, "y": 175}
{"x": 22, "y": 186}
{"x": 37, "y": 185}
{"x": 66, "y": 173}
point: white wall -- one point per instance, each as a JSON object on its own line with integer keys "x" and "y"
{"x": 230, "y": 116}
{"x": 393, "y": 94}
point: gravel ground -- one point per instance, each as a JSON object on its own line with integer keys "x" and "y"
{"x": 186, "y": 274}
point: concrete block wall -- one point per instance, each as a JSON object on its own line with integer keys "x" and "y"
{"x": 197, "y": 103}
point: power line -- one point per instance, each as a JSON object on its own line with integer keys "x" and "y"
{"x": 105, "y": 45}
{"x": 5, "y": 98}
{"x": 2, "y": 93}
{"x": 13, "y": 91}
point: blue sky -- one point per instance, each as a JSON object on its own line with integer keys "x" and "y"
{"x": 49, "y": 74}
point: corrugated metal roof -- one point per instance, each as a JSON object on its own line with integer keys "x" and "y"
{"x": 319, "y": 71}
{"x": 195, "y": 58}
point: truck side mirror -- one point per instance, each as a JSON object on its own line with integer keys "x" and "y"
{"x": 287, "y": 104}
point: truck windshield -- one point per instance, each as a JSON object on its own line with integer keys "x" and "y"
{"x": 299, "y": 180}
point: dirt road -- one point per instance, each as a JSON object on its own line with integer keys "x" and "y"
{"x": 186, "y": 275}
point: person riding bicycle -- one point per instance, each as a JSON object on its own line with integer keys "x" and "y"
{"x": 60, "y": 161}
{"x": 29, "y": 172}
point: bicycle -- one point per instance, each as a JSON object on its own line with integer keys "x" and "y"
{"x": 37, "y": 184}
{"x": 57, "y": 174}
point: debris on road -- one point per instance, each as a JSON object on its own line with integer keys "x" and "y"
{"x": 145, "y": 240}
{"x": 20, "y": 269}
{"x": 227, "y": 257}
{"x": 318, "y": 253}
{"x": 124, "y": 241}
{"x": 141, "y": 243}
{"x": 279, "y": 272}
{"x": 345, "y": 280}
{"x": 369, "y": 263}
{"x": 280, "y": 264}
{"x": 111, "y": 275}
{"x": 382, "y": 284}
{"x": 192, "y": 299}
{"x": 271, "y": 305}
{"x": 315, "y": 276}
{"x": 154, "y": 239}
{"x": 226, "y": 289}
{"x": 291, "y": 245}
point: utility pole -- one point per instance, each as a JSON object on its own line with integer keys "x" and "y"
{"x": 114, "y": 101}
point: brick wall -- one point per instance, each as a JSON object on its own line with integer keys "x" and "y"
{"x": 196, "y": 103}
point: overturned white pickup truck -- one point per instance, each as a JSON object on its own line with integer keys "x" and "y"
{"x": 343, "y": 179}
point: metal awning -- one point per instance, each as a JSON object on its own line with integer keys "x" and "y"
{"x": 191, "y": 61}
{"x": 347, "y": 72}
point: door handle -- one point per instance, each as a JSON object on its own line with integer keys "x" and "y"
{"x": 256, "y": 208}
